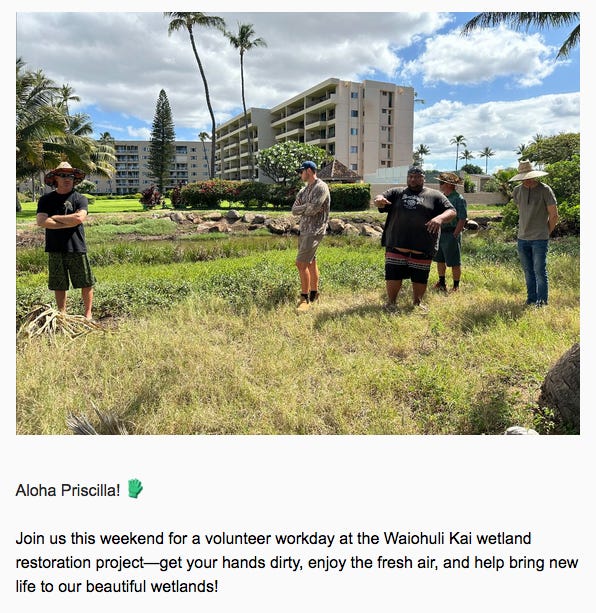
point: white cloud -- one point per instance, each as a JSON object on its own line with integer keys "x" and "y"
{"x": 502, "y": 126}
{"x": 483, "y": 56}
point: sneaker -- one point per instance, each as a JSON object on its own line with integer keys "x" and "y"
{"x": 455, "y": 289}
{"x": 303, "y": 305}
{"x": 421, "y": 308}
{"x": 440, "y": 287}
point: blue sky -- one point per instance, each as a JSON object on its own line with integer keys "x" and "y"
{"x": 497, "y": 87}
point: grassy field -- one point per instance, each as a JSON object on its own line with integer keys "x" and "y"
{"x": 200, "y": 336}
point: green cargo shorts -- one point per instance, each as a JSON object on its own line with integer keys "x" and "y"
{"x": 63, "y": 266}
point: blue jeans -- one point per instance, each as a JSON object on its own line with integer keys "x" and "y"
{"x": 533, "y": 260}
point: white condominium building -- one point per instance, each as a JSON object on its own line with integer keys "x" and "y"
{"x": 190, "y": 164}
{"x": 367, "y": 126}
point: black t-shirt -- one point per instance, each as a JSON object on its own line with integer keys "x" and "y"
{"x": 406, "y": 218}
{"x": 64, "y": 240}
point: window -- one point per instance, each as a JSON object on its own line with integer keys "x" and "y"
{"x": 354, "y": 95}
{"x": 354, "y": 131}
{"x": 354, "y": 166}
{"x": 383, "y": 110}
{"x": 354, "y": 149}
{"x": 353, "y": 113}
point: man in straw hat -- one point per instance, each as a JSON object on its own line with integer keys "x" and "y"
{"x": 449, "y": 252}
{"x": 411, "y": 233}
{"x": 538, "y": 217}
{"x": 62, "y": 213}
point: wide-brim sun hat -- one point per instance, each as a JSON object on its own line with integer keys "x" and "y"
{"x": 526, "y": 171}
{"x": 65, "y": 167}
{"x": 451, "y": 178}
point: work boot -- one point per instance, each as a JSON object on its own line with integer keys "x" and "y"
{"x": 303, "y": 305}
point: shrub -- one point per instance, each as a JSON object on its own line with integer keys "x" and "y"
{"x": 209, "y": 194}
{"x": 469, "y": 186}
{"x": 350, "y": 196}
{"x": 253, "y": 193}
{"x": 283, "y": 196}
{"x": 176, "y": 197}
{"x": 151, "y": 197}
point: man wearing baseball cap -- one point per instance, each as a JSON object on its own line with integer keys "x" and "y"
{"x": 62, "y": 213}
{"x": 411, "y": 233}
{"x": 312, "y": 205}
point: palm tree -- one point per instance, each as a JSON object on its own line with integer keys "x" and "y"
{"x": 65, "y": 95}
{"x": 37, "y": 121}
{"x": 419, "y": 153}
{"x": 457, "y": 141}
{"x": 466, "y": 155}
{"x": 486, "y": 153}
{"x": 537, "y": 143}
{"x": 521, "y": 151}
{"x": 244, "y": 41}
{"x": 187, "y": 21}
{"x": 523, "y": 21}
{"x": 45, "y": 135}
{"x": 203, "y": 136}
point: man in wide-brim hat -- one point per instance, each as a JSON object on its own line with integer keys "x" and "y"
{"x": 538, "y": 217}
{"x": 62, "y": 213}
{"x": 64, "y": 167}
{"x": 449, "y": 251}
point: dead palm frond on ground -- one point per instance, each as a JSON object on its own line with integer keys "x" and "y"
{"x": 109, "y": 423}
{"x": 44, "y": 320}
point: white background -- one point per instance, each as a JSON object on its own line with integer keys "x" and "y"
{"x": 335, "y": 485}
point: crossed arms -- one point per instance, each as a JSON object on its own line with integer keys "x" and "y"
{"x": 59, "y": 222}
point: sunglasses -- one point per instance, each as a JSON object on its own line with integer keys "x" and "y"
{"x": 63, "y": 175}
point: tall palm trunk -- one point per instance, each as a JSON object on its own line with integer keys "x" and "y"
{"x": 250, "y": 156}
{"x": 208, "y": 98}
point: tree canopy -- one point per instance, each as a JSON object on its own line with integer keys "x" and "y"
{"x": 47, "y": 134}
{"x": 281, "y": 161}
{"x": 550, "y": 149}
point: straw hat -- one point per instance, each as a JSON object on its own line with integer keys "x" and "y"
{"x": 451, "y": 178}
{"x": 64, "y": 167}
{"x": 525, "y": 171}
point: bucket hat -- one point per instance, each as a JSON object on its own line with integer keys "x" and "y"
{"x": 450, "y": 177}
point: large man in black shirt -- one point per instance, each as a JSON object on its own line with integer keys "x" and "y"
{"x": 62, "y": 213}
{"x": 411, "y": 234}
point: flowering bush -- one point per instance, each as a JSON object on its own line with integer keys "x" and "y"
{"x": 209, "y": 194}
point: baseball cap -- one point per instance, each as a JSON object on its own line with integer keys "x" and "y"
{"x": 307, "y": 164}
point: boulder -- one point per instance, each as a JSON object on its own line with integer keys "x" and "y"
{"x": 336, "y": 226}
{"x": 560, "y": 388}
{"x": 233, "y": 215}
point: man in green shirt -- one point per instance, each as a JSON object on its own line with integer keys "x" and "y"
{"x": 449, "y": 252}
